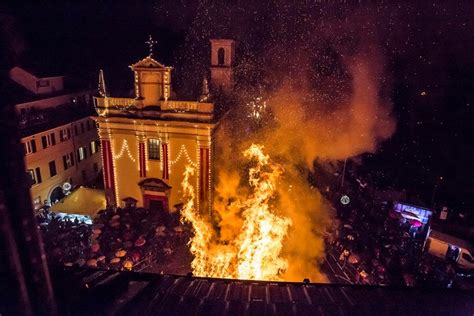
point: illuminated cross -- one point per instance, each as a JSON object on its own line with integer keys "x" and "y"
{"x": 150, "y": 43}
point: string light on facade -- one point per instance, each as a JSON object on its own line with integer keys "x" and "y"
{"x": 137, "y": 144}
{"x": 170, "y": 145}
{"x": 137, "y": 91}
{"x": 112, "y": 150}
{"x": 142, "y": 139}
{"x": 123, "y": 149}
{"x": 101, "y": 152}
{"x": 183, "y": 151}
{"x": 150, "y": 43}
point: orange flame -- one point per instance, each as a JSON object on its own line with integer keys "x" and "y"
{"x": 255, "y": 253}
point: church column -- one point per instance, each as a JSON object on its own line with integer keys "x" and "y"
{"x": 142, "y": 156}
{"x": 142, "y": 163}
{"x": 108, "y": 170}
{"x": 164, "y": 148}
{"x": 204, "y": 177}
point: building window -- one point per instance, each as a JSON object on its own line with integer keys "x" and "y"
{"x": 93, "y": 146}
{"x": 30, "y": 146}
{"x": 154, "y": 149}
{"x": 34, "y": 176}
{"x": 31, "y": 176}
{"x": 52, "y": 168}
{"x": 65, "y": 134}
{"x": 68, "y": 161}
{"x": 88, "y": 124}
{"x": 42, "y": 83}
{"x": 82, "y": 127}
{"x": 81, "y": 154}
{"x": 75, "y": 130}
{"x": 220, "y": 56}
{"x": 44, "y": 142}
{"x": 96, "y": 167}
{"x": 48, "y": 140}
{"x": 38, "y": 175}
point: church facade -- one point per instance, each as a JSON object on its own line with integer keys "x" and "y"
{"x": 147, "y": 141}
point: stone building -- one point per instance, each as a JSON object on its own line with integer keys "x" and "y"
{"x": 148, "y": 140}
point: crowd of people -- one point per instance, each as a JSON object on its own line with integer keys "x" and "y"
{"x": 373, "y": 244}
{"x": 119, "y": 238}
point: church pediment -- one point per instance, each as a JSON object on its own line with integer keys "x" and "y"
{"x": 154, "y": 184}
{"x": 148, "y": 62}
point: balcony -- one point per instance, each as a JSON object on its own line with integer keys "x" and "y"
{"x": 104, "y": 105}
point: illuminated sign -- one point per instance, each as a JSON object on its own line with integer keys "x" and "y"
{"x": 413, "y": 213}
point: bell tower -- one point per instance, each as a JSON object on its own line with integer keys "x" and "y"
{"x": 222, "y": 60}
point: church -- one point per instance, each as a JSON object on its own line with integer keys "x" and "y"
{"x": 148, "y": 140}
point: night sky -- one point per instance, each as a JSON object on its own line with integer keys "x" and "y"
{"x": 426, "y": 48}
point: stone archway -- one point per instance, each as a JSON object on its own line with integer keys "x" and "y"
{"x": 56, "y": 195}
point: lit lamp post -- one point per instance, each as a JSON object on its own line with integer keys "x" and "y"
{"x": 343, "y": 172}
{"x": 345, "y": 198}
{"x": 434, "y": 191}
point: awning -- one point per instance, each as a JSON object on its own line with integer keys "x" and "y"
{"x": 83, "y": 201}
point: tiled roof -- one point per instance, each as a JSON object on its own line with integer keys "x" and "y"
{"x": 86, "y": 291}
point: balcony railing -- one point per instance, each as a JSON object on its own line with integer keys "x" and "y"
{"x": 169, "y": 105}
{"x": 115, "y": 102}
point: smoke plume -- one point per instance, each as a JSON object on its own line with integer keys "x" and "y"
{"x": 320, "y": 69}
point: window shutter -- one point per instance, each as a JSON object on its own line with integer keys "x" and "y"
{"x": 65, "y": 162}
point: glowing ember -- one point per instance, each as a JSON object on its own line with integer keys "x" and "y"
{"x": 255, "y": 253}
{"x": 257, "y": 108}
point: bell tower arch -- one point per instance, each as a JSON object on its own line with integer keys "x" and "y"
{"x": 222, "y": 60}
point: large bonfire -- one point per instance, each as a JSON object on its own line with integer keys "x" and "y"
{"x": 256, "y": 252}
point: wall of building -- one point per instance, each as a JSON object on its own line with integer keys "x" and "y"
{"x": 183, "y": 142}
{"x": 34, "y": 84}
{"x": 79, "y": 137}
{"x": 54, "y": 102}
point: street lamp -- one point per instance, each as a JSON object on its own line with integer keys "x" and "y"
{"x": 343, "y": 172}
{"x": 434, "y": 190}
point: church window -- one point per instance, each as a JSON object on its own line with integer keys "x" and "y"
{"x": 154, "y": 149}
{"x": 220, "y": 56}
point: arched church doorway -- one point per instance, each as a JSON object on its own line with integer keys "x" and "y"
{"x": 155, "y": 194}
